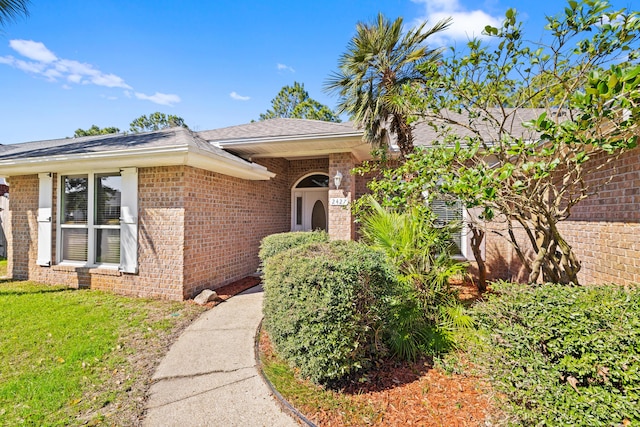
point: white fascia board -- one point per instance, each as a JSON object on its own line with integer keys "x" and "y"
{"x": 140, "y": 157}
{"x": 284, "y": 138}
{"x": 228, "y": 166}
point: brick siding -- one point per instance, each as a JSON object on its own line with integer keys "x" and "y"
{"x": 197, "y": 229}
{"x": 603, "y": 230}
{"x": 160, "y": 236}
{"x": 225, "y": 220}
{"x": 341, "y": 225}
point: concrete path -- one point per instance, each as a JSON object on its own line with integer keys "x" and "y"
{"x": 209, "y": 376}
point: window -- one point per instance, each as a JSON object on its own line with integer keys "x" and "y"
{"x": 314, "y": 181}
{"x": 447, "y": 212}
{"x": 90, "y": 208}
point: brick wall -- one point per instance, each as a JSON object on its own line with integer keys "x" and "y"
{"x": 197, "y": 229}
{"x": 603, "y": 230}
{"x": 160, "y": 251}
{"x": 225, "y": 220}
{"x": 341, "y": 225}
{"x": 296, "y": 169}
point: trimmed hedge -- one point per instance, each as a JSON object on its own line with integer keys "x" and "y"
{"x": 280, "y": 242}
{"x": 564, "y": 355}
{"x": 325, "y": 306}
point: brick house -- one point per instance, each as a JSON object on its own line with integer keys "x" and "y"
{"x": 169, "y": 213}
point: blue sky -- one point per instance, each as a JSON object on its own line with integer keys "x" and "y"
{"x": 75, "y": 63}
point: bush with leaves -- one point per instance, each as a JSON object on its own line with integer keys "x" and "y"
{"x": 325, "y": 307}
{"x": 275, "y": 243}
{"x": 426, "y": 310}
{"x": 563, "y": 355}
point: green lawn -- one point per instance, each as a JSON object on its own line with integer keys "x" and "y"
{"x": 3, "y": 267}
{"x": 74, "y": 357}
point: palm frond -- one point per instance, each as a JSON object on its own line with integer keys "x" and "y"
{"x": 11, "y": 9}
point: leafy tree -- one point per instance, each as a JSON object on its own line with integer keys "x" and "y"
{"x": 10, "y": 9}
{"x": 294, "y": 102}
{"x": 531, "y": 177}
{"x": 381, "y": 60}
{"x": 156, "y": 121}
{"x": 95, "y": 130}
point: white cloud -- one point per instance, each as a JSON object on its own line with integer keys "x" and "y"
{"x": 466, "y": 24}
{"x": 238, "y": 97}
{"x": 42, "y": 62}
{"x": 283, "y": 67}
{"x": 30, "y": 67}
{"x": 159, "y": 98}
{"x": 109, "y": 80}
{"x": 33, "y": 50}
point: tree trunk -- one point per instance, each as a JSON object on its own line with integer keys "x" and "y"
{"x": 476, "y": 240}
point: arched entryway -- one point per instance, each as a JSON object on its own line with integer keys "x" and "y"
{"x": 309, "y": 202}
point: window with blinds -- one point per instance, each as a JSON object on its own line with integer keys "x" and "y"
{"x": 90, "y": 218}
{"x": 447, "y": 212}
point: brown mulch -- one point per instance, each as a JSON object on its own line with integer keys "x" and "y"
{"x": 412, "y": 394}
{"x": 226, "y": 292}
{"x": 405, "y": 394}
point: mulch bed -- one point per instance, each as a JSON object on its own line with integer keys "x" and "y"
{"x": 414, "y": 394}
{"x": 408, "y": 394}
{"x": 226, "y": 292}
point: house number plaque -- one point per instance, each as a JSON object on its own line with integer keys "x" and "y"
{"x": 339, "y": 201}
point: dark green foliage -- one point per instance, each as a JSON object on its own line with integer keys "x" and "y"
{"x": 95, "y": 130}
{"x": 564, "y": 355}
{"x": 276, "y": 243}
{"x": 294, "y": 102}
{"x": 425, "y": 311}
{"x": 325, "y": 306}
{"x": 156, "y": 121}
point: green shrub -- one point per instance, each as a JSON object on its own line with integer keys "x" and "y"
{"x": 426, "y": 311}
{"x": 325, "y": 306}
{"x": 276, "y": 243}
{"x": 564, "y": 355}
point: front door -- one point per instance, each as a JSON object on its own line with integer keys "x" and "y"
{"x": 309, "y": 203}
{"x": 310, "y": 209}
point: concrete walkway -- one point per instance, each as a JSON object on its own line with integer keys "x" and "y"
{"x": 209, "y": 376}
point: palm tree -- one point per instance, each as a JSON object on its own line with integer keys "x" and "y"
{"x": 10, "y": 9}
{"x": 379, "y": 61}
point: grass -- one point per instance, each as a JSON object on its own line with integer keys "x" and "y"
{"x": 76, "y": 357}
{"x": 3, "y": 267}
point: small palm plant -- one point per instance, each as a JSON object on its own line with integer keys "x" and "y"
{"x": 428, "y": 311}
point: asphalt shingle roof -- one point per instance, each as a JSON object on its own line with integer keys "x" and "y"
{"x": 170, "y": 137}
{"x": 278, "y": 128}
{"x": 425, "y": 134}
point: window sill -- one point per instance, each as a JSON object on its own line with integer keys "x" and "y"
{"x": 102, "y": 270}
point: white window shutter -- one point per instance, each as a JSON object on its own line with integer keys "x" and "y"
{"x": 45, "y": 208}
{"x": 129, "y": 221}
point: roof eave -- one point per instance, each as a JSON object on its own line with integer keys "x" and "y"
{"x": 146, "y": 157}
{"x": 231, "y": 143}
